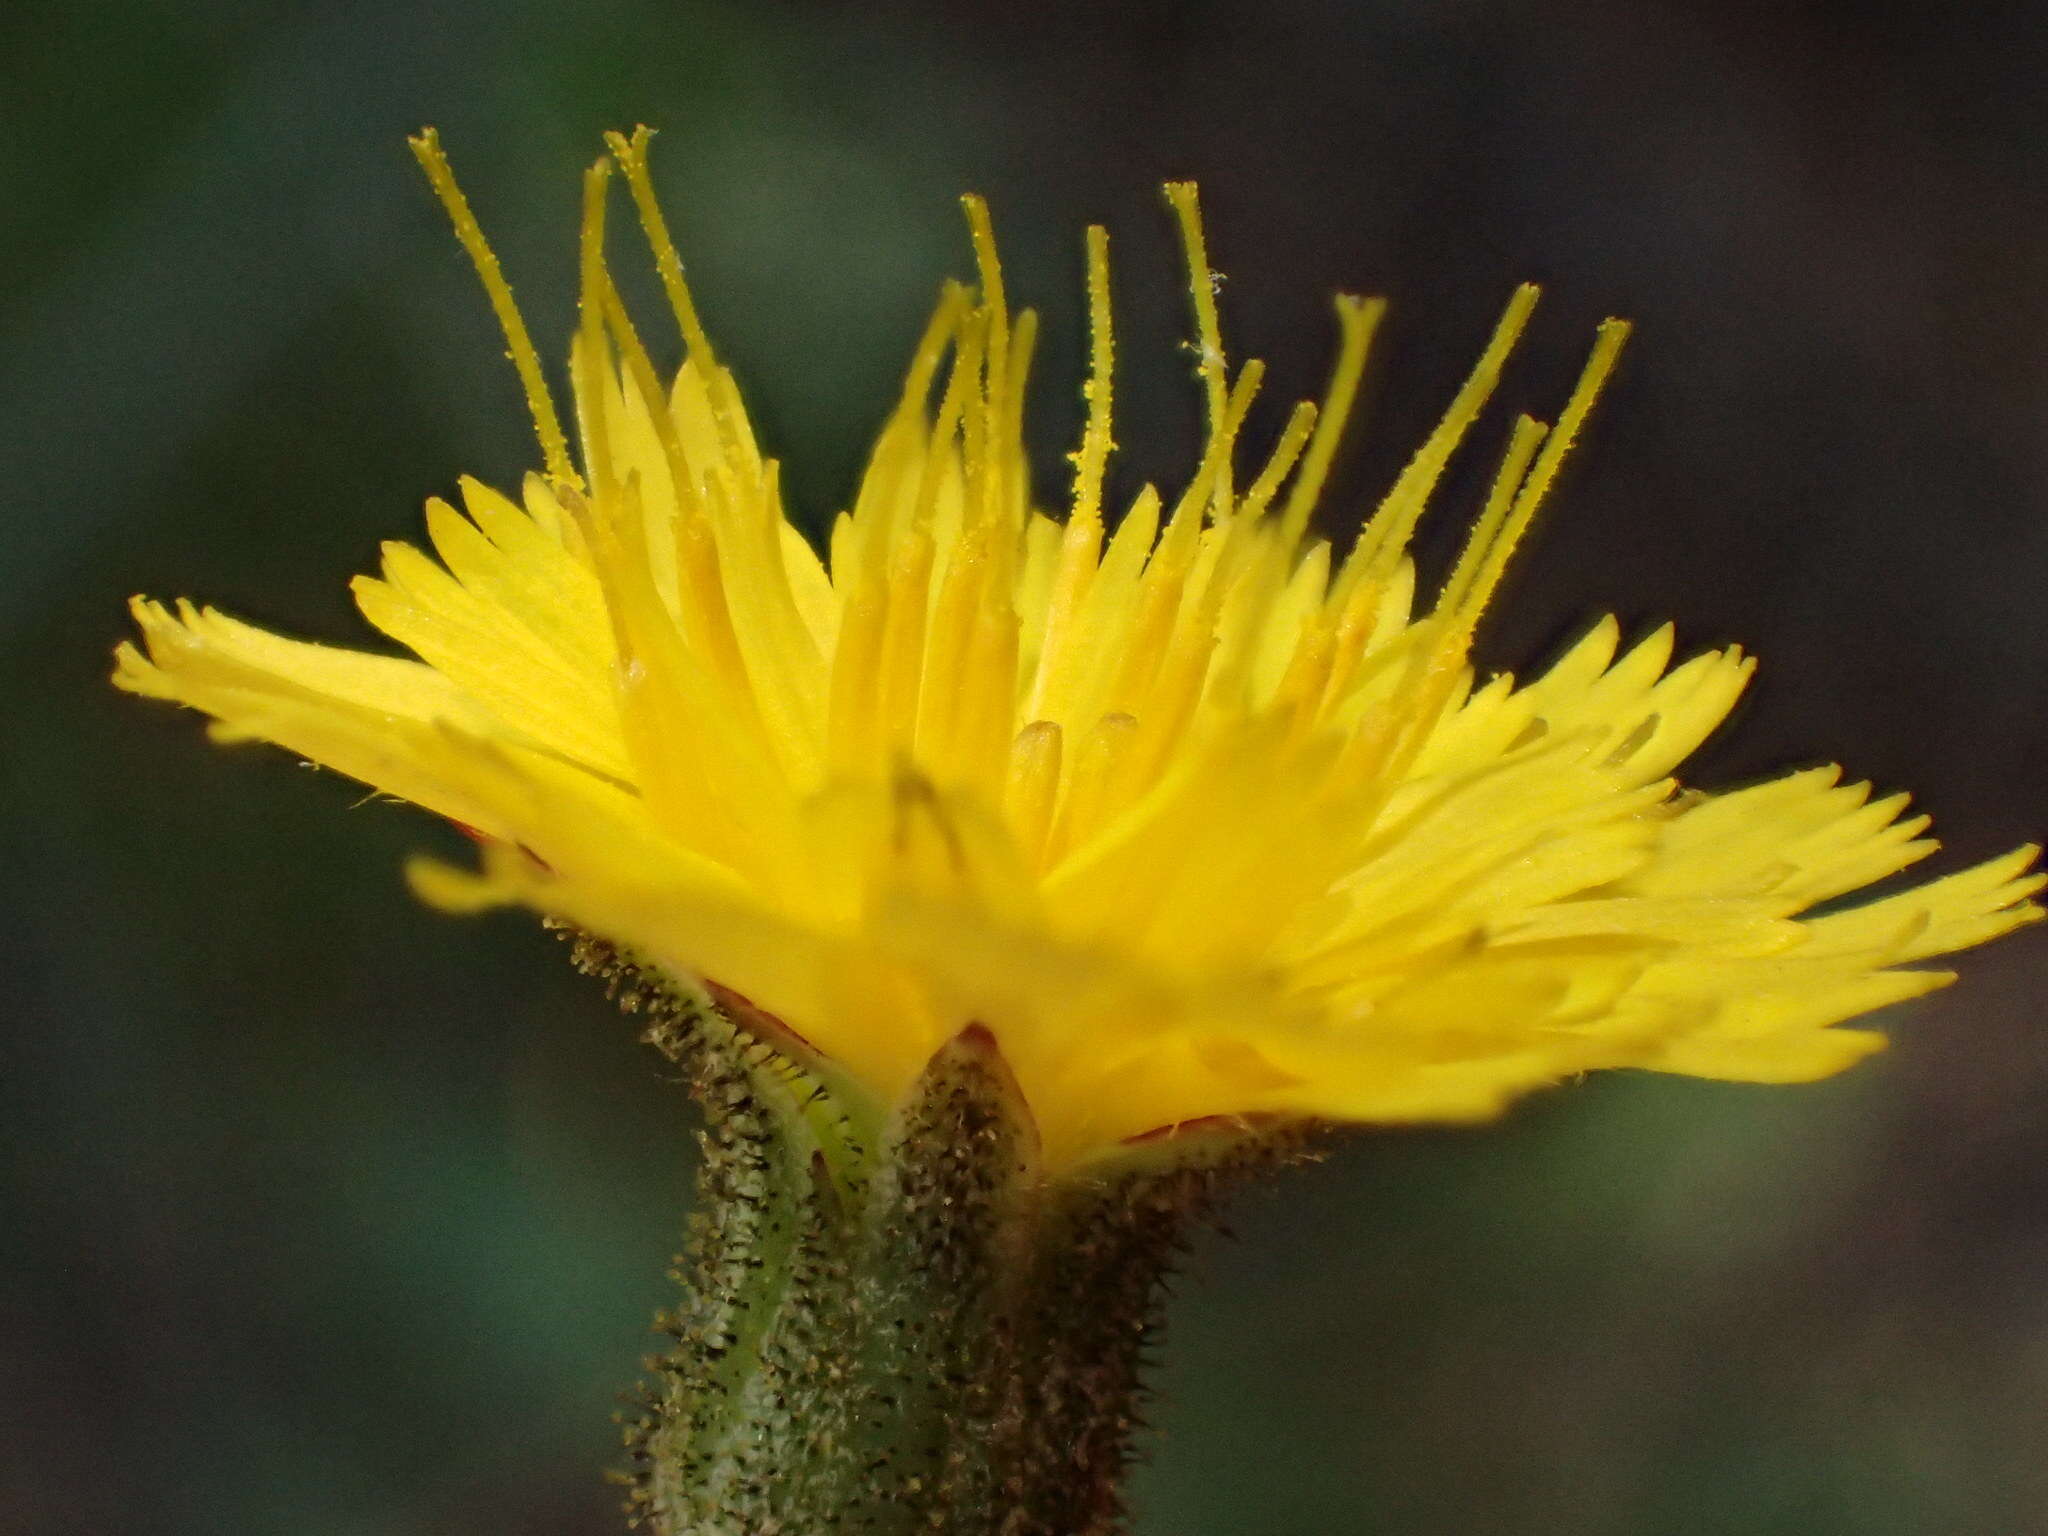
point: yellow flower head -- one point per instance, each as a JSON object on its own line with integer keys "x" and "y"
{"x": 1199, "y": 819}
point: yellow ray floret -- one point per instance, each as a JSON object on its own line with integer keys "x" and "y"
{"x": 1199, "y": 817}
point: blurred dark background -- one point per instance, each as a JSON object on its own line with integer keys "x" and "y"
{"x": 327, "y": 1215}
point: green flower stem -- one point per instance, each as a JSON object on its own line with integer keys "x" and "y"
{"x": 895, "y": 1324}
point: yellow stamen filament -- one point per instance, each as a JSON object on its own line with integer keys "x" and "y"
{"x": 967, "y": 401}
{"x": 1485, "y": 559}
{"x": 1296, "y": 433}
{"x": 647, "y": 385}
{"x": 1023, "y": 343}
{"x": 591, "y": 362}
{"x": 1599, "y": 367}
{"x": 1485, "y": 535}
{"x": 1209, "y": 363}
{"x": 981, "y": 229}
{"x": 1357, "y": 321}
{"x": 540, "y": 403}
{"x": 631, "y": 155}
{"x": 1096, "y": 442}
{"x": 1215, "y": 465}
{"x": 970, "y": 373}
{"x": 728, "y": 415}
{"x": 983, "y": 233}
{"x": 931, "y": 349}
{"x": 1386, "y": 536}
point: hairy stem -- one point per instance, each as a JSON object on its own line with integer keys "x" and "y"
{"x": 900, "y": 1327}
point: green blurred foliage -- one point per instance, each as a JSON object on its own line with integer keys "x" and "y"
{"x": 327, "y": 1214}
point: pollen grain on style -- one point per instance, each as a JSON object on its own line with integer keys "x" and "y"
{"x": 1201, "y": 816}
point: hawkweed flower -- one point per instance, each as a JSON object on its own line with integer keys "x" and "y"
{"x": 1004, "y": 877}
